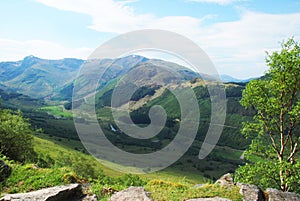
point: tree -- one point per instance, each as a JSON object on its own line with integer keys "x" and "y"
{"x": 15, "y": 136}
{"x": 275, "y": 126}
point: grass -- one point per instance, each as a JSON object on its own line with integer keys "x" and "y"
{"x": 189, "y": 167}
{"x": 63, "y": 142}
{"x": 56, "y": 110}
{"x": 61, "y": 147}
{"x": 58, "y": 150}
{"x": 171, "y": 184}
{"x": 169, "y": 191}
{"x": 29, "y": 177}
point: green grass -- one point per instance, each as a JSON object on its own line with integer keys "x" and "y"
{"x": 170, "y": 191}
{"x": 220, "y": 161}
{"x": 169, "y": 184}
{"x": 56, "y": 110}
{"x": 61, "y": 147}
{"x": 58, "y": 151}
{"x": 29, "y": 177}
{"x": 64, "y": 142}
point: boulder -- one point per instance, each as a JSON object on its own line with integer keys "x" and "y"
{"x": 71, "y": 192}
{"x": 251, "y": 192}
{"x": 131, "y": 194}
{"x": 226, "y": 180}
{"x": 277, "y": 195}
{"x": 210, "y": 199}
{"x": 5, "y": 171}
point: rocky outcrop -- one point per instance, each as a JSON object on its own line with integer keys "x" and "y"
{"x": 71, "y": 192}
{"x": 254, "y": 193}
{"x": 250, "y": 192}
{"x": 226, "y": 180}
{"x": 210, "y": 199}
{"x": 276, "y": 195}
{"x": 131, "y": 194}
{"x": 5, "y": 171}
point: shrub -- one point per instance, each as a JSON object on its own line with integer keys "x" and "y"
{"x": 15, "y": 136}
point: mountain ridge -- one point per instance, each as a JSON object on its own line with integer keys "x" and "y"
{"x": 43, "y": 78}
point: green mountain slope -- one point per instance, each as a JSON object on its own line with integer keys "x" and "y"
{"x": 38, "y": 77}
{"x": 15, "y": 101}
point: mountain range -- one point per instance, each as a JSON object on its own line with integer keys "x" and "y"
{"x": 54, "y": 79}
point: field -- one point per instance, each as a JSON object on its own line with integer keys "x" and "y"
{"x": 57, "y": 111}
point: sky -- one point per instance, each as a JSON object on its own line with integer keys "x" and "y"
{"x": 234, "y": 33}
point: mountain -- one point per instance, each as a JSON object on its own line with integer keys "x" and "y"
{"x": 14, "y": 100}
{"x": 41, "y": 78}
{"x": 38, "y": 77}
{"x": 228, "y": 78}
{"x": 54, "y": 79}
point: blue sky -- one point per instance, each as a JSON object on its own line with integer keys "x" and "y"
{"x": 234, "y": 33}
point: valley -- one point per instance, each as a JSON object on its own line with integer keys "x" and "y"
{"x": 72, "y": 130}
{"x": 52, "y": 113}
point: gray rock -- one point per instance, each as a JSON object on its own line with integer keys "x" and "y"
{"x": 210, "y": 199}
{"x": 251, "y": 192}
{"x": 277, "y": 195}
{"x": 226, "y": 180}
{"x": 71, "y": 192}
{"x": 131, "y": 194}
{"x": 5, "y": 171}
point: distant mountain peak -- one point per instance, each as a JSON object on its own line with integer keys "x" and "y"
{"x": 228, "y": 78}
{"x": 30, "y": 57}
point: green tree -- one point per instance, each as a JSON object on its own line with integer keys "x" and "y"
{"x": 275, "y": 126}
{"x": 15, "y": 136}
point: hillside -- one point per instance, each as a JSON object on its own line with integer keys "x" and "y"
{"x": 38, "y": 77}
{"x": 54, "y": 79}
{"x": 65, "y": 165}
{"x": 55, "y": 118}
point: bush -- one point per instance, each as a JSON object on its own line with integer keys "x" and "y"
{"x": 15, "y": 136}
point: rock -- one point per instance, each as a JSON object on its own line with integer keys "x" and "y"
{"x": 251, "y": 192}
{"x": 277, "y": 195}
{"x": 210, "y": 199}
{"x": 226, "y": 180}
{"x": 131, "y": 194}
{"x": 5, "y": 171}
{"x": 71, "y": 192}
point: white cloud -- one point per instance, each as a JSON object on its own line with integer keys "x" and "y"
{"x": 107, "y": 15}
{"x": 220, "y": 2}
{"x": 236, "y": 47}
{"x": 12, "y": 50}
{"x": 239, "y": 47}
{"x": 118, "y": 17}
